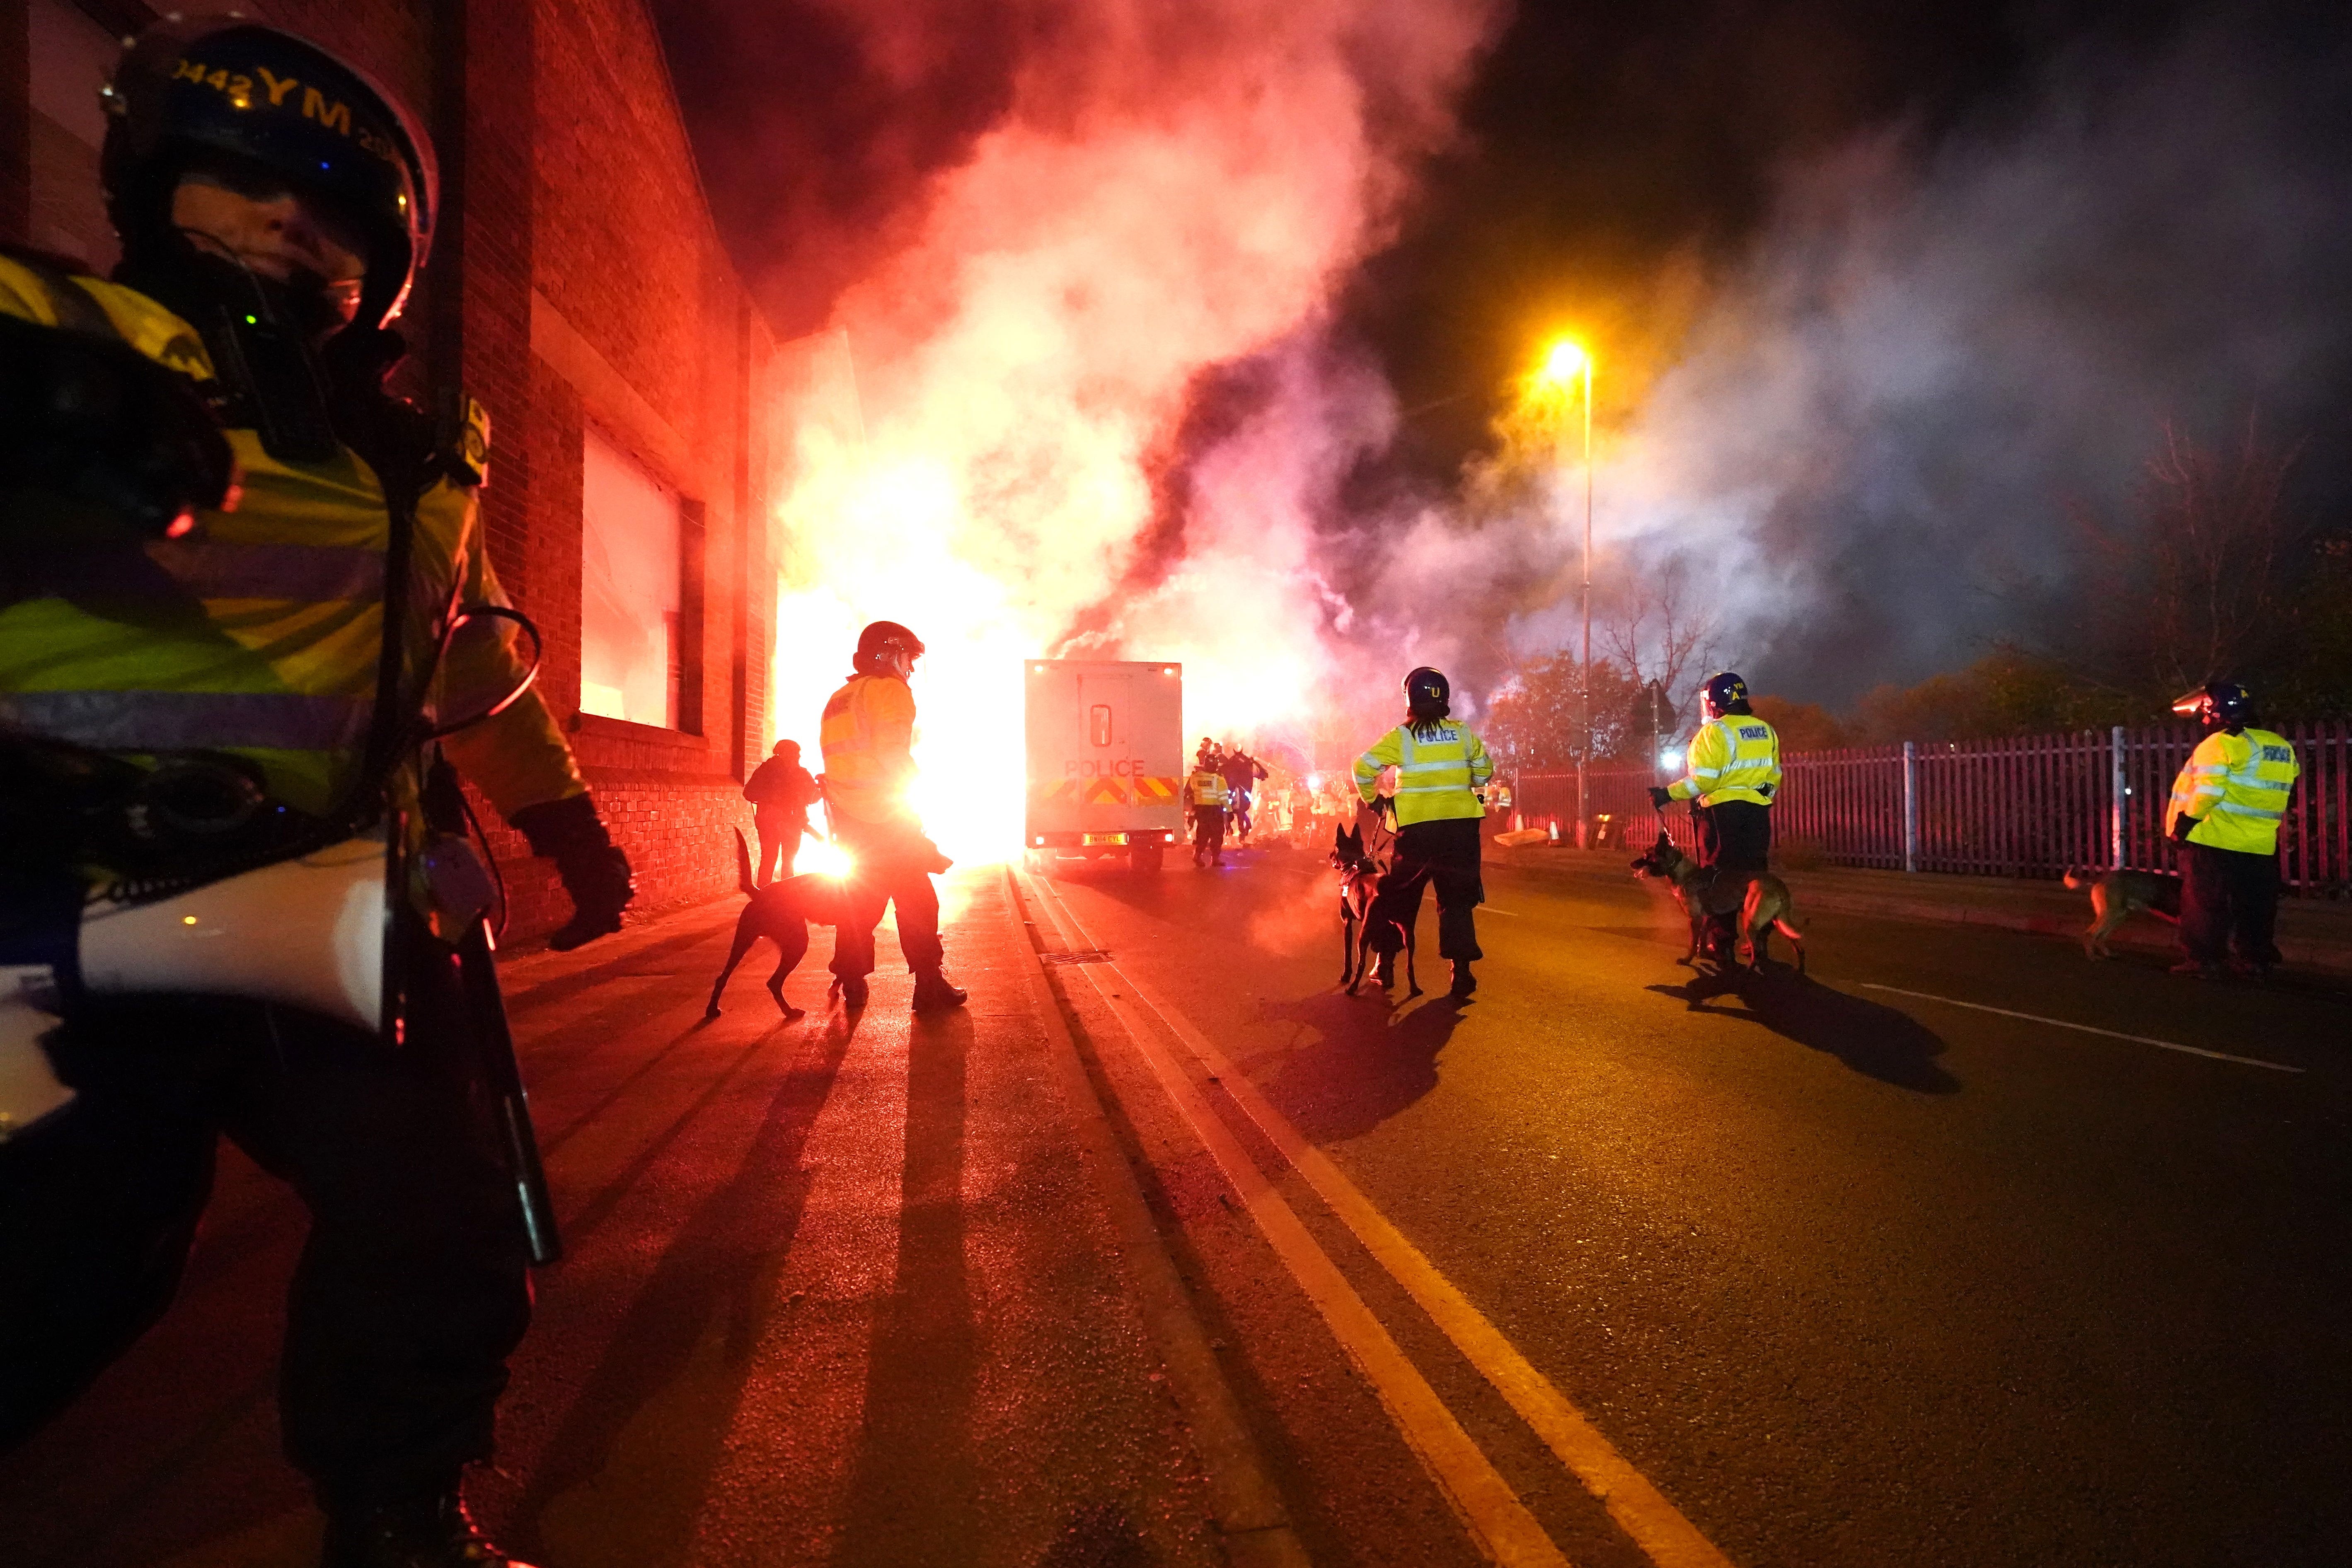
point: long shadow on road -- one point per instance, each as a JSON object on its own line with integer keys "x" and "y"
{"x": 1364, "y": 1064}
{"x": 1870, "y": 1037}
{"x": 918, "y": 1480}
{"x": 715, "y": 1274}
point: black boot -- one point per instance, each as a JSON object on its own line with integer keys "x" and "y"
{"x": 851, "y": 989}
{"x": 1384, "y": 972}
{"x": 431, "y": 1532}
{"x": 1464, "y": 982}
{"x": 934, "y": 994}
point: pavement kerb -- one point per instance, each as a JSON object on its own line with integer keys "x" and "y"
{"x": 1818, "y": 891}
{"x": 1250, "y": 1519}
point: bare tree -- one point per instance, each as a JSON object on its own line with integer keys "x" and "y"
{"x": 2200, "y": 583}
{"x": 1653, "y": 629}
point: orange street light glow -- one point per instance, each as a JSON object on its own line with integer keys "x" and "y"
{"x": 1564, "y": 363}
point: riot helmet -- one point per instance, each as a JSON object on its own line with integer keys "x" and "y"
{"x": 2218, "y": 705}
{"x": 886, "y": 647}
{"x": 1427, "y": 689}
{"x": 1725, "y": 692}
{"x": 1426, "y": 702}
{"x": 247, "y": 101}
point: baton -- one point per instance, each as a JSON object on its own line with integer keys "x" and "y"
{"x": 495, "y": 1041}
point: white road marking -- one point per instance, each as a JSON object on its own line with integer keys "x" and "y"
{"x": 1496, "y": 1519}
{"x": 1491, "y": 909}
{"x": 2085, "y": 1029}
{"x": 1655, "y": 1525}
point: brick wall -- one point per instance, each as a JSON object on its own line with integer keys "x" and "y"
{"x": 576, "y": 280}
{"x": 642, "y": 330}
{"x": 15, "y": 122}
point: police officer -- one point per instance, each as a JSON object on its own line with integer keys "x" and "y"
{"x": 869, "y": 775}
{"x": 1497, "y": 798}
{"x": 1240, "y": 772}
{"x": 227, "y": 548}
{"x": 1733, "y": 772}
{"x": 2224, "y": 815}
{"x": 781, "y": 792}
{"x": 1440, "y": 768}
{"x": 1207, "y": 795}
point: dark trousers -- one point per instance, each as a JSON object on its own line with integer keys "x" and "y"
{"x": 2228, "y": 900}
{"x": 411, "y": 1288}
{"x": 1443, "y": 853}
{"x": 1734, "y": 838}
{"x": 1208, "y": 830}
{"x": 781, "y": 832}
{"x": 1735, "y": 835}
{"x": 891, "y": 864}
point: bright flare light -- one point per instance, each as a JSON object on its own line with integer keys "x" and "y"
{"x": 988, "y": 469}
{"x": 1565, "y": 362}
{"x": 1671, "y": 760}
{"x": 825, "y": 857}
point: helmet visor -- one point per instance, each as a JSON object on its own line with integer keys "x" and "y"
{"x": 275, "y": 109}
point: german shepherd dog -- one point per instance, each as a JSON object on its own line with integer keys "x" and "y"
{"x": 2116, "y": 896}
{"x": 781, "y": 911}
{"x": 1761, "y": 900}
{"x": 1359, "y": 877}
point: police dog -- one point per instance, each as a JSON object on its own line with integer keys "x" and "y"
{"x": 781, "y": 911}
{"x": 2116, "y": 896}
{"x": 1760, "y": 900}
{"x": 1360, "y": 878}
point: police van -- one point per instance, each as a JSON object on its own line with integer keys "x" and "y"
{"x": 1105, "y": 746}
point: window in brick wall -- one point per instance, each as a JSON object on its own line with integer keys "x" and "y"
{"x": 632, "y": 544}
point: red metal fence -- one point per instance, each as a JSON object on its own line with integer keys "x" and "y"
{"x": 2025, "y": 806}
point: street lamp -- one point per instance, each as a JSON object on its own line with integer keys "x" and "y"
{"x": 1564, "y": 363}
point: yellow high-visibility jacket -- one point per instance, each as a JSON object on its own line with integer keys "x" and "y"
{"x": 1735, "y": 757}
{"x": 2236, "y": 787}
{"x": 868, "y": 738}
{"x": 1437, "y": 776}
{"x": 1208, "y": 789}
{"x": 279, "y": 666}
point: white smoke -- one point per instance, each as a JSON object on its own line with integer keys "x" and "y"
{"x": 1872, "y": 441}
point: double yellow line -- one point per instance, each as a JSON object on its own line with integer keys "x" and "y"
{"x": 1488, "y": 1508}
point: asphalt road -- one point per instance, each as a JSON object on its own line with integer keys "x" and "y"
{"x": 1851, "y": 1273}
{"x": 834, "y": 1291}
{"x": 1826, "y": 1272}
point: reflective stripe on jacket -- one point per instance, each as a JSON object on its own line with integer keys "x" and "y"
{"x": 1437, "y": 776}
{"x": 278, "y": 666}
{"x": 1209, "y": 789}
{"x": 868, "y": 740}
{"x": 1735, "y": 757}
{"x": 2236, "y": 787}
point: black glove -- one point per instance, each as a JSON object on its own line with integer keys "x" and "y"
{"x": 595, "y": 871}
{"x": 2180, "y": 826}
{"x": 1661, "y": 797}
{"x": 99, "y": 443}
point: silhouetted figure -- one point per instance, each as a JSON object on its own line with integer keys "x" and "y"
{"x": 781, "y": 792}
